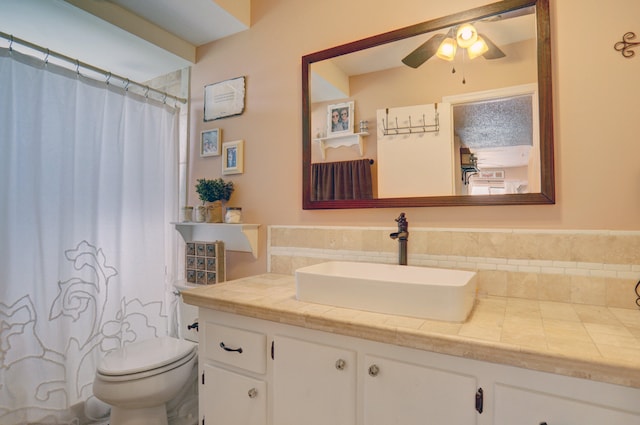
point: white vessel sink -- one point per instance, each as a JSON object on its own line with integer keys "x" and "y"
{"x": 428, "y": 293}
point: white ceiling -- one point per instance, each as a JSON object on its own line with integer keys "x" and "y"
{"x": 196, "y": 21}
{"x": 60, "y": 26}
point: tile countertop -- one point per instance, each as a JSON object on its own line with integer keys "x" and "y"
{"x": 583, "y": 341}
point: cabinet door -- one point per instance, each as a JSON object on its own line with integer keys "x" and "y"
{"x": 314, "y": 384}
{"x": 521, "y": 406}
{"x": 228, "y": 398}
{"x": 401, "y": 393}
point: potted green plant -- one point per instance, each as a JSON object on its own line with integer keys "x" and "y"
{"x": 212, "y": 193}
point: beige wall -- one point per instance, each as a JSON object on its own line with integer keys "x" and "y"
{"x": 596, "y": 100}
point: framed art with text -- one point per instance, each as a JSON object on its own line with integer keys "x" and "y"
{"x": 224, "y": 99}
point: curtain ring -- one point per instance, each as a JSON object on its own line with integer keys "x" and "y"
{"x": 164, "y": 100}
{"x": 11, "y": 43}
{"x": 126, "y": 86}
{"x": 146, "y": 93}
{"x": 77, "y": 67}
{"x": 108, "y": 78}
{"x": 46, "y": 58}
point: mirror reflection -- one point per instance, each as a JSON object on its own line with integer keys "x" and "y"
{"x": 447, "y": 112}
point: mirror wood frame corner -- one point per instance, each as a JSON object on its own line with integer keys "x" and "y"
{"x": 547, "y": 180}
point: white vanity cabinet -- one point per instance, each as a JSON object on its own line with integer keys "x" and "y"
{"x": 230, "y": 398}
{"x": 313, "y": 384}
{"x": 290, "y": 375}
{"x": 515, "y": 406}
{"x": 524, "y": 397}
{"x": 232, "y": 365}
{"x": 401, "y": 392}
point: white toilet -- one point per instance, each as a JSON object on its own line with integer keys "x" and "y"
{"x": 140, "y": 378}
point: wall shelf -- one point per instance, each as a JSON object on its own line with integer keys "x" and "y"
{"x": 355, "y": 139}
{"x": 236, "y": 237}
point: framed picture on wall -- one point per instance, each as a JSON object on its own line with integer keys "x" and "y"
{"x": 340, "y": 119}
{"x": 233, "y": 157}
{"x": 224, "y": 99}
{"x": 210, "y": 142}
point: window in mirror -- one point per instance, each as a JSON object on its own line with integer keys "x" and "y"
{"x": 499, "y": 130}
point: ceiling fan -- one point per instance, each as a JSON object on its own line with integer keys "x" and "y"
{"x": 489, "y": 51}
{"x": 430, "y": 47}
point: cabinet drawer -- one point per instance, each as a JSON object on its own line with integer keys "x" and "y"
{"x": 236, "y": 347}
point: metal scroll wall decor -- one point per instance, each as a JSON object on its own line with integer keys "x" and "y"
{"x": 625, "y": 46}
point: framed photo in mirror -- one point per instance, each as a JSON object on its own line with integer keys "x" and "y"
{"x": 340, "y": 119}
{"x": 233, "y": 157}
{"x": 210, "y": 142}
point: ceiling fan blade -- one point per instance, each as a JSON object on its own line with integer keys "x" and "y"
{"x": 424, "y": 52}
{"x": 494, "y": 51}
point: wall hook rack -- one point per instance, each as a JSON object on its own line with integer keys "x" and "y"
{"x": 411, "y": 128}
{"x": 625, "y": 46}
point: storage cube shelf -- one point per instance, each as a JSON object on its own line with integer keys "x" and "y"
{"x": 205, "y": 262}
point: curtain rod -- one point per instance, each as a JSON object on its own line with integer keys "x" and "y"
{"x": 108, "y": 75}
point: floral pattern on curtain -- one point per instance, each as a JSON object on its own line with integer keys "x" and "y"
{"x": 87, "y": 191}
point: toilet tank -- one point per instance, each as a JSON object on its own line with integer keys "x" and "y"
{"x": 187, "y": 316}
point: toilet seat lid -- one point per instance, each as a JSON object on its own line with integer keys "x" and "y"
{"x": 145, "y": 355}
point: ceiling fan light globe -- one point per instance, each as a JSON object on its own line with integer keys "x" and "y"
{"x": 447, "y": 49}
{"x": 478, "y": 48}
{"x": 466, "y": 35}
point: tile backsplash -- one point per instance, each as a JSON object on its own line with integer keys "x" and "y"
{"x": 580, "y": 267}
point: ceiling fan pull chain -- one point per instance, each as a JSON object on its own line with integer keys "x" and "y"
{"x": 464, "y": 80}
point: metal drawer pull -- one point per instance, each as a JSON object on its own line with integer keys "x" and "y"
{"x": 225, "y": 348}
{"x": 479, "y": 400}
{"x": 340, "y": 364}
{"x": 374, "y": 370}
{"x": 253, "y": 393}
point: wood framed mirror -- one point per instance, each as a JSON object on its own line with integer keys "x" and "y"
{"x": 409, "y": 74}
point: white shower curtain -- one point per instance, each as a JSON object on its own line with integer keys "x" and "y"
{"x": 87, "y": 191}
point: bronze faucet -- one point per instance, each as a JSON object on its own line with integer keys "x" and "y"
{"x": 403, "y": 236}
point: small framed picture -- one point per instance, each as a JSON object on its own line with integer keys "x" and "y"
{"x": 233, "y": 157}
{"x": 210, "y": 142}
{"x": 340, "y": 118}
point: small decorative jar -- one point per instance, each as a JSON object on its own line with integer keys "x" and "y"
{"x": 201, "y": 213}
{"x": 187, "y": 214}
{"x": 233, "y": 215}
